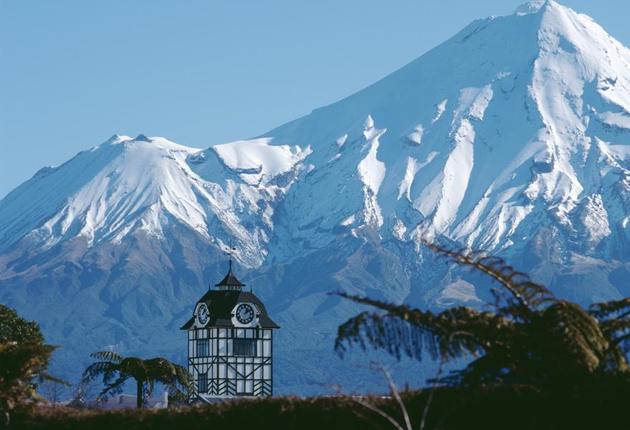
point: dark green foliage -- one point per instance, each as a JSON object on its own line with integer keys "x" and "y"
{"x": 23, "y": 362}
{"x": 614, "y": 319}
{"x": 270, "y": 413}
{"x": 596, "y": 404}
{"x": 116, "y": 370}
{"x": 13, "y": 328}
{"x": 527, "y": 336}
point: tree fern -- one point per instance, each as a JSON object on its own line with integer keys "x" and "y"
{"x": 531, "y": 337}
{"x": 116, "y": 370}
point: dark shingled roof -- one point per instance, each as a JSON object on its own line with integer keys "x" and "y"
{"x": 221, "y": 302}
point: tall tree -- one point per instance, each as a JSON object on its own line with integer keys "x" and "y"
{"x": 527, "y": 335}
{"x": 24, "y": 361}
{"x": 116, "y": 370}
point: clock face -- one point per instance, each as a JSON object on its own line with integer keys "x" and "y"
{"x": 245, "y": 313}
{"x": 203, "y": 314}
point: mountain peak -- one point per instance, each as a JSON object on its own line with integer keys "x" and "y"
{"x": 533, "y": 7}
{"x": 117, "y": 138}
{"x": 142, "y": 138}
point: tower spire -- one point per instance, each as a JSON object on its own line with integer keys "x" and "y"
{"x": 230, "y": 282}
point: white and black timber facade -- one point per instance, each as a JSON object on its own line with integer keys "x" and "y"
{"x": 230, "y": 343}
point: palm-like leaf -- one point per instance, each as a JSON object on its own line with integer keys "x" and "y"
{"x": 614, "y": 320}
{"x": 116, "y": 370}
{"x": 113, "y": 379}
{"x": 453, "y": 333}
{"x": 575, "y": 337}
{"x": 526, "y": 295}
{"x": 615, "y": 308}
{"x": 447, "y": 335}
{"x": 531, "y": 337}
{"x": 174, "y": 376}
{"x": 109, "y": 356}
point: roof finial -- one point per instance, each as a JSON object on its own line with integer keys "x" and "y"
{"x": 232, "y": 249}
{"x": 230, "y": 282}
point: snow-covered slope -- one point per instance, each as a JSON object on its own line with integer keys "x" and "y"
{"x": 125, "y": 185}
{"x": 516, "y": 122}
{"x": 513, "y": 136}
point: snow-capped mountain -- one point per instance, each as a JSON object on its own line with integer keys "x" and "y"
{"x": 513, "y": 136}
{"x": 130, "y": 185}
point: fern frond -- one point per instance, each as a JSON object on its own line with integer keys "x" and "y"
{"x": 532, "y": 337}
{"x": 525, "y": 292}
{"x": 615, "y": 327}
{"x": 489, "y": 368}
{"x": 116, "y": 387}
{"x": 385, "y": 332}
{"x": 107, "y": 356}
{"x": 610, "y": 309}
{"x": 405, "y": 331}
{"x": 134, "y": 366}
{"x": 99, "y": 368}
{"x": 576, "y": 335}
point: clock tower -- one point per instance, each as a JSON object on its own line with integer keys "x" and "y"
{"x": 230, "y": 343}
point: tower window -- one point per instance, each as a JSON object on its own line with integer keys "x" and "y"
{"x": 245, "y": 347}
{"x": 202, "y": 383}
{"x": 203, "y": 348}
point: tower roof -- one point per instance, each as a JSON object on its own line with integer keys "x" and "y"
{"x": 221, "y": 302}
{"x": 230, "y": 280}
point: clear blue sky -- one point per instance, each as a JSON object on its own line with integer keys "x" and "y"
{"x": 199, "y": 72}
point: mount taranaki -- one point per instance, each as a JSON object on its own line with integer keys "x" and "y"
{"x": 513, "y": 136}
